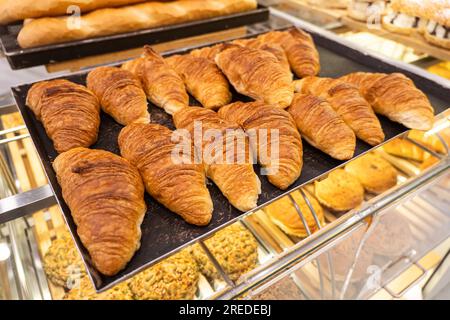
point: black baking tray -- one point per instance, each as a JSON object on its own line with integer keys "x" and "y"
{"x": 164, "y": 232}
{"x": 19, "y": 58}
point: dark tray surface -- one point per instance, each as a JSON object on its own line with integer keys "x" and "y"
{"x": 164, "y": 232}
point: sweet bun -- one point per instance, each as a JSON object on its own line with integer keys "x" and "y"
{"x": 375, "y": 174}
{"x": 362, "y": 10}
{"x": 340, "y": 191}
{"x": 284, "y": 214}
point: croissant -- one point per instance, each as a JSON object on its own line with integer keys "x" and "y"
{"x": 120, "y": 94}
{"x": 69, "y": 112}
{"x": 203, "y": 79}
{"x": 300, "y": 50}
{"x": 163, "y": 86}
{"x": 322, "y": 127}
{"x": 230, "y": 169}
{"x": 257, "y": 74}
{"x": 208, "y": 52}
{"x": 105, "y": 195}
{"x": 396, "y": 97}
{"x": 273, "y": 48}
{"x": 256, "y": 116}
{"x": 348, "y": 103}
{"x": 179, "y": 186}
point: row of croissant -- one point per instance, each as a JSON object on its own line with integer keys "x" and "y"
{"x": 105, "y": 192}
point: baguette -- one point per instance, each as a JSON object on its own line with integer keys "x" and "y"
{"x": 46, "y": 31}
{"x": 13, "y": 10}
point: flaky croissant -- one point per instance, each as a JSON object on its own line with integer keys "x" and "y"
{"x": 69, "y": 112}
{"x": 120, "y": 94}
{"x": 396, "y": 97}
{"x": 208, "y": 52}
{"x": 105, "y": 195}
{"x": 257, "y": 74}
{"x": 300, "y": 50}
{"x": 203, "y": 79}
{"x": 322, "y": 127}
{"x": 232, "y": 172}
{"x": 348, "y": 103}
{"x": 163, "y": 86}
{"x": 179, "y": 186}
{"x": 256, "y": 116}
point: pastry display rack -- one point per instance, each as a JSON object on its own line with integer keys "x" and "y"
{"x": 287, "y": 267}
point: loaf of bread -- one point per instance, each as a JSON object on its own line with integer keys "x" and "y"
{"x": 13, "y": 10}
{"x": 109, "y": 21}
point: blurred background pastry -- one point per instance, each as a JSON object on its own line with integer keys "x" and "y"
{"x": 63, "y": 261}
{"x": 334, "y": 4}
{"x": 340, "y": 191}
{"x": 175, "y": 278}
{"x": 284, "y": 214}
{"x": 375, "y": 174}
{"x": 85, "y": 291}
{"x": 366, "y": 10}
{"x": 438, "y": 27}
{"x": 234, "y": 248}
{"x": 407, "y": 16}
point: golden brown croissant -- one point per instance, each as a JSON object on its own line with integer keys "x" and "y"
{"x": 163, "y": 86}
{"x": 234, "y": 176}
{"x": 120, "y": 94}
{"x": 255, "y": 116}
{"x": 69, "y": 112}
{"x": 273, "y": 48}
{"x": 105, "y": 195}
{"x": 179, "y": 186}
{"x": 208, "y": 52}
{"x": 203, "y": 79}
{"x": 348, "y": 103}
{"x": 257, "y": 74}
{"x": 300, "y": 50}
{"x": 396, "y": 97}
{"x": 322, "y": 127}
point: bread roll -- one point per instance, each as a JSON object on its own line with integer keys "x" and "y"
{"x": 104, "y": 22}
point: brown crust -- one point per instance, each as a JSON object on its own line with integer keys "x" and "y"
{"x": 105, "y": 195}
{"x": 120, "y": 94}
{"x": 203, "y": 79}
{"x": 69, "y": 112}
{"x": 179, "y": 187}
{"x": 254, "y": 116}
{"x": 257, "y": 74}
{"x": 234, "y": 177}
{"x": 443, "y": 43}
{"x": 322, "y": 127}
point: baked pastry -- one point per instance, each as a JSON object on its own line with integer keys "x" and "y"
{"x": 367, "y": 10}
{"x": 333, "y": 4}
{"x": 396, "y": 97}
{"x": 285, "y": 215}
{"x": 284, "y": 168}
{"x": 62, "y": 261}
{"x": 234, "y": 248}
{"x": 438, "y": 27}
{"x": 257, "y": 74}
{"x": 181, "y": 187}
{"x": 174, "y": 278}
{"x": 203, "y": 79}
{"x": 120, "y": 94}
{"x": 322, "y": 127}
{"x": 13, "y": 10}
{"x": 407, "y": 16}
{"x": 232, "y": 172}
{"x": 431, "y": 141}
{"x": 375, "y": 174}
{"x": 348, "y": 104}
{"x": 405, "y": 149}
{"x": 391, "y": 237}
{"x": 109, "y": 21}
{"x": 208, "y": 52}
{"x": 105, "y": 195}
{"x": 163, "y": 86}
{"x": 300, "y": 50}
{"x": 69, "y": 112}
{"x": 84, "y": 290}
{"x": 340, "y": 191}
{"x": 273, "y": 48}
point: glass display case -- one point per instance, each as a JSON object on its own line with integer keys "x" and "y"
{"x": 394, "y": 244}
